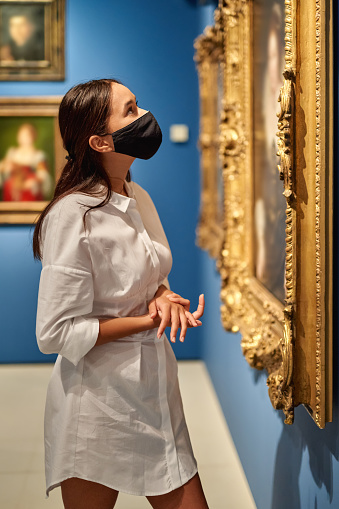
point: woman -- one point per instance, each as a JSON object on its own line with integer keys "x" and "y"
{"x": 114, "y": 419}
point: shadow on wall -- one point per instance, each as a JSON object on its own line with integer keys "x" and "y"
{"x": 322, "y": 445}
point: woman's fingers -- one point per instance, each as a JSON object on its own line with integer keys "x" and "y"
{"x": 201, "y": 307}
{"x": 191, "y": 319}
{"x": 165, "y": 314}
{"x": 152, "y": 309}
{"x": 174, "y": 297}
{"x": 175, "y": 322}
{"x": 178, "y": 299}
{"x": 184, "y": 324}
{"x": 176, "y": 315}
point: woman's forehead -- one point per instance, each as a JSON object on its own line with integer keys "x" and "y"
{"x": 121, "y": 94}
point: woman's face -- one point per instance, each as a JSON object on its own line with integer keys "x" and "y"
{"x": 20, "y": 29}
{"x": 26, "y": 136}
{"x": 124, "y": 109}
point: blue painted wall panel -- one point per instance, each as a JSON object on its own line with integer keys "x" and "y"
{"x": 19, "y": 278}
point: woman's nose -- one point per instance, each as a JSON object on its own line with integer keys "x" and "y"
{"x": 141, "y": 112}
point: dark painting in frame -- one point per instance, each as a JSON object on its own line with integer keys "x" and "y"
{"x": 32, "y": 40}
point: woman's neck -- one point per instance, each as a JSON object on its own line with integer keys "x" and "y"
{"x": 117, "y": 167}
{"x": 118, "y": 185}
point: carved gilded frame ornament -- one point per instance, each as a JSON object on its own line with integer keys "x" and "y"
{"x": 210, "y": 65}
{"x": 292, "y": 341}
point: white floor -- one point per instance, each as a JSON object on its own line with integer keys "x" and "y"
{"x": 22, "y": 398}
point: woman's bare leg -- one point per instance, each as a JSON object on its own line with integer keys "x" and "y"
{"x": 81, "y": 494}
{"x": 188, "y": 496}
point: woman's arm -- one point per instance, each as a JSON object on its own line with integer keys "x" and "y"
{"x": 116, "y": 328}
{"x": 162, "y": 313}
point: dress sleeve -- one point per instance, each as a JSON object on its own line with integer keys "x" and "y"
{"x": 165, "y": 282}
{"x": 66, "y": 286}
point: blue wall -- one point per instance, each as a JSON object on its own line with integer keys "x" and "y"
{"x": 149, "y": 46}
{"x": 294, "y": 467}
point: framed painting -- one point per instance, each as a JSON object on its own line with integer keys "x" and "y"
{"x": 276, "y": 145}
{"x": 31, "y": 156}
{"x": 209, "y": 62}
{"x": 32, "y": 40}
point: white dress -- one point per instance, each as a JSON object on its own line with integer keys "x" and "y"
{"x": 114, "y": 412}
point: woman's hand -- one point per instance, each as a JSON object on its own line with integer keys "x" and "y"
{"x": 173, "y": 311}
{"x": 193, "y": 318}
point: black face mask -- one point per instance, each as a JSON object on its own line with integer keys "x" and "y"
{"x": 140, "y": 138}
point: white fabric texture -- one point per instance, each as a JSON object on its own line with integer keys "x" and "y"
{"x": 113, "y": 413}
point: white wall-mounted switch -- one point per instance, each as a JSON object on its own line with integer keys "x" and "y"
{"x": 179, "y": 133}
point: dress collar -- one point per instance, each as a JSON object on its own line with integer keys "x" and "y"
{"x": 122, "y": 202}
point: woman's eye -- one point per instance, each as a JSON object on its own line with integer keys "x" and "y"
{"x": 133, "y": 108}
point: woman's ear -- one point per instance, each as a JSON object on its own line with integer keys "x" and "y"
{"x": 100, "y": 144}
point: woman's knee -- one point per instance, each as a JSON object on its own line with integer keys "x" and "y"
{"x": 189, "y": 496}
{"x": 82, "y": 494}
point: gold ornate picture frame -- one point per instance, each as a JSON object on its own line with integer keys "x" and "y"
{"x": 32, "y": 40}
{"x": 31, "y": 156}
{"x": 290, "y": 337}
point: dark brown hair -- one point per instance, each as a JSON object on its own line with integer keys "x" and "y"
{"x": 83, "y": 111}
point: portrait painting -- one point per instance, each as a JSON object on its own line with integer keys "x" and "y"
{"x": 269, "y": 202}
{"x": 27, "y": 170}
{"x": 23, "y": 33}
{"x": 32, "y": 40}
{"x": 31, "y": 156}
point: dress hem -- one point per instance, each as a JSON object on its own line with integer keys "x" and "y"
{"x": 127, "y": 492}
